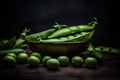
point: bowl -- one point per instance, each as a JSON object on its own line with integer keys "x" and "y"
{"x": 58, "y": 48}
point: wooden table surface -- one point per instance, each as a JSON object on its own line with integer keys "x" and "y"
{"x": 109, "y": 70}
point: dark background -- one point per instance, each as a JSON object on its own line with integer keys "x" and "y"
{"x": 39, "y": 15}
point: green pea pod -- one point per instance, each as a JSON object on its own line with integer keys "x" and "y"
{"x": 14, "y": 50}
{"x": 71, "y": 30}
{"x": 87, "y": 37}
{"x": 70, "y": 38}
{"x": 5, "y": 44}
{"x": 117, "y": 51}
{"x": 97, "y": 54}
{"x": 19, "y": 42}
{"x": 90, "y": 47}
{"x": 61, "y": 39}
{"x": 42, "y": 35}
{"x": 108, "y": 49}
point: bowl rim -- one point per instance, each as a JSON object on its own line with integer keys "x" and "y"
{"x": 76, "y": 42}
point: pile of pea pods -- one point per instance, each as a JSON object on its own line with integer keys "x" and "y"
{"x": 64, "y": 33}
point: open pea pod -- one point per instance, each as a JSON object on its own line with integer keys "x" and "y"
{"x": 108, "y": 49}
{"x": 83, "y": 36}
{"x": 88, "y": 36}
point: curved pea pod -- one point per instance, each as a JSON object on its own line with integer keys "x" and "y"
{"x": 13, "y": 50}
{"x": 63, "y": 32}
{"x": 62, "y": 39}
{"x": 88, "y": 35}
{"x": 71, "y": 30}
{"x": 42, "y": 35}
{"x": 70, "y": 38}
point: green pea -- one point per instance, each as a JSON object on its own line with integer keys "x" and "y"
{"x": 77, "y": 37}
{"x": 70, "y": 37}
{"x": 51, "y": 40}
{"x": 74, "y": 29}
{"x": 61, "y": 39}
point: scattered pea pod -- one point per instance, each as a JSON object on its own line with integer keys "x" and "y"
{"x": 98, "y": 51}
{"x": 95, "y": 53}
{"x": 108, "y": 49}
{"x": 13, "y": 50}
{"x": 7, "y": 43}
{"x": 71, "y": 30}
{"x": 83, "y": 36}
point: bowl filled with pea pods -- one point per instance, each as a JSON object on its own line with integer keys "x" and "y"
{"x": 62, "y": 39}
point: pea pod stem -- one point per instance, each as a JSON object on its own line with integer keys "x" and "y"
{"x": 24, "y": 33}
{"x": 59, "y": 26}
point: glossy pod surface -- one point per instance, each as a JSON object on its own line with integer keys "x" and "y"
{"x": 83, "y": 36}
{"x": 70, "y": 30}
{"x": 43, "y": 34}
